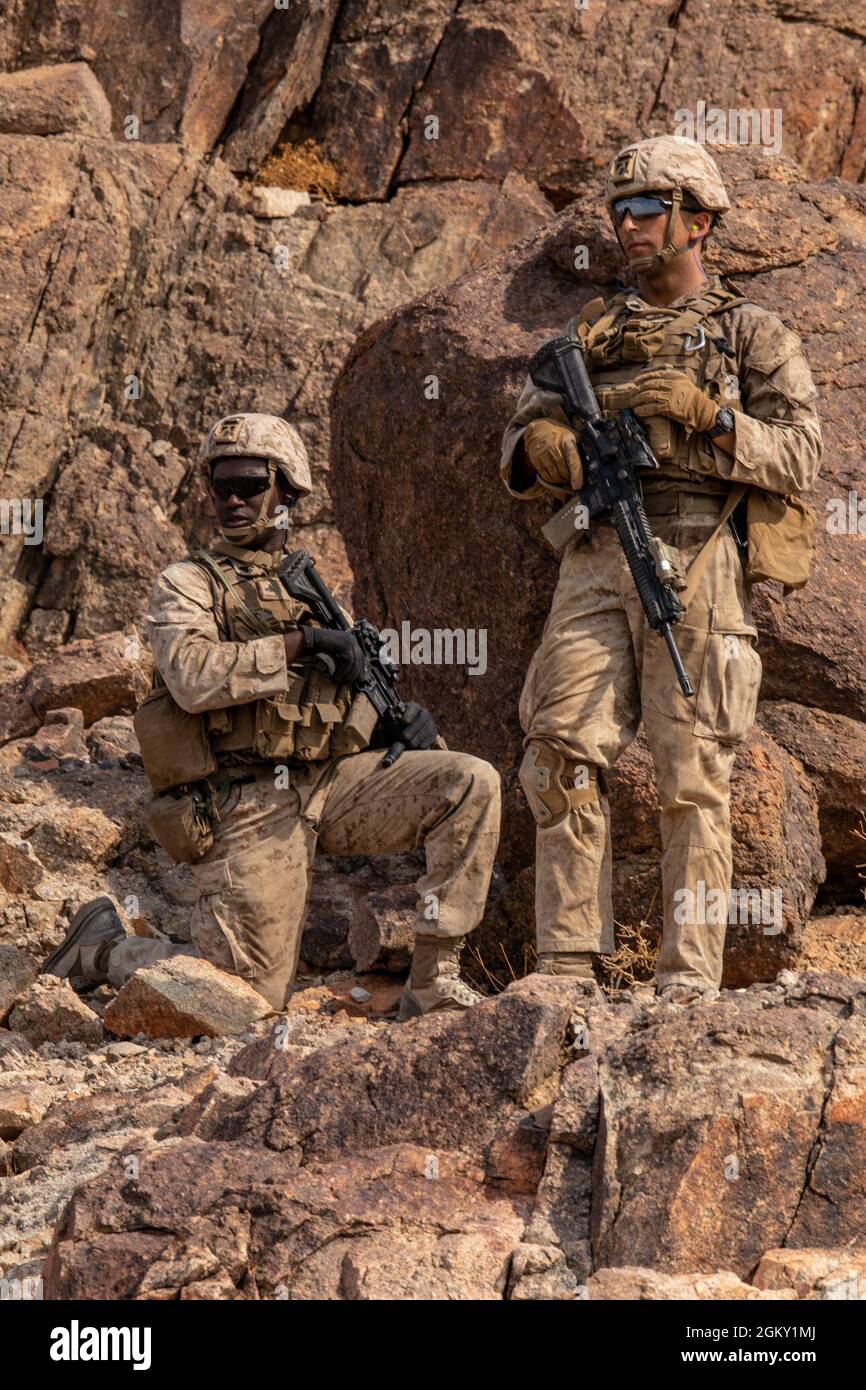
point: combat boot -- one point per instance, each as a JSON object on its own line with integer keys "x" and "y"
{"x": 575, "y": 965}
{"x": 688, "y": 994}
{"x": 434, "y": 982}
{"x": 82, "y": 956}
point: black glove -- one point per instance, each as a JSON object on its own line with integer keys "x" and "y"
{"x": 340, "y": 647}
{"x": 416, "y": 730}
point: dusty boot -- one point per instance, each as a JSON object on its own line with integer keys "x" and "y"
{"x": 688, "y": 994}
{"x": 434, "y": 981}
{"x": 576, "y": 965}
{"x": 82, "y": 956}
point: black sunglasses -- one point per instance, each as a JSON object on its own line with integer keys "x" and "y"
{"x": 239, "y": 487}
{"x": 644, "y": 205}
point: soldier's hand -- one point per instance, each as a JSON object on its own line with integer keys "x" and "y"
{"x": 417, "y": 729}
{"x": 551, "y": 449}
{"x": 342, "y": 648}
{"x": 665, "y": 391}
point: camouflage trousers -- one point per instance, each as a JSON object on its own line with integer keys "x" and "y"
{"x": 254, "y": 883}
{"x": 599, "y": 670}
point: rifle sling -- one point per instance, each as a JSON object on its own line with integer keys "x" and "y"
{"x": 204, "y": 559}
{"x": 698, "y": 566}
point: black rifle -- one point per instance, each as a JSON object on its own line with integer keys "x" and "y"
{"x": 612, "y": 451}
{"x": 380, "y": 674}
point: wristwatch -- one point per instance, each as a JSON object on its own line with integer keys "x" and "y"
{"x": 723, "y": 425}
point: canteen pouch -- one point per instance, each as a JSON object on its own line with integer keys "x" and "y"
{"x": 180, "y": 823}
{"x": 781, "y": 538}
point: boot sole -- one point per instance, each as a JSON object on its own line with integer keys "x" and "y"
{"x": 83, "y": 916}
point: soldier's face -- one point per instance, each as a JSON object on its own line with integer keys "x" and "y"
{"x": 241, "y": 506}
{"x": 645, "y": 235}
{"x": 641, "y": 236}
{"x": 237, "y": 486}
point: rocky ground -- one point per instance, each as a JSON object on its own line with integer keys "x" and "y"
{"x": 204, "y": 205}
{"x": 553, "y": 1143}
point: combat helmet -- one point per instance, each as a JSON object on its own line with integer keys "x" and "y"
{"x": 250, "y": 435}
{"x": 666, "y": 163}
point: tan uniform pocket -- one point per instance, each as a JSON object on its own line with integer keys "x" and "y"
{"x": 725, "y": 670}
{"x": 247, "y": 900}
{"x": 213, "y": 925}
{"x": 727, "y": 697}
{"x": 526, "y": 705}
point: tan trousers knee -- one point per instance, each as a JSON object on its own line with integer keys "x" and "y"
{"x": 255, "y": 882}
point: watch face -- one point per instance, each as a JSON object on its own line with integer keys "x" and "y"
{"x": 724, "y": 422}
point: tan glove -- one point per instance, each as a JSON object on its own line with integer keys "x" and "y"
{"x": 665, "y": 391}
{"x": 552, "y": 451}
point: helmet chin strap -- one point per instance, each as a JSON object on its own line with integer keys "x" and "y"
{"x": 242, "y": 535}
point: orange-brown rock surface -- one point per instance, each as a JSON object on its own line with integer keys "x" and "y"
{"x": 205, "y": 203}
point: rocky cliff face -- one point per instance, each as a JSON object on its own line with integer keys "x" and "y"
{"x": 204, "y": 205}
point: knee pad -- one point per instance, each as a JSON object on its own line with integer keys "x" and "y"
{"x": 554, "y": 785}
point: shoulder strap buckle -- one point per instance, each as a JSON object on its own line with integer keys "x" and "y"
{"x": 691, "y": 344}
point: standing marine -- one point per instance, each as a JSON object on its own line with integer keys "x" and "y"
{"x": 259, "y": 758}
{"x": 725, "y": 395}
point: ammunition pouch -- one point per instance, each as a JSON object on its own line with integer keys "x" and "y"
{"x": 554, "y": 785}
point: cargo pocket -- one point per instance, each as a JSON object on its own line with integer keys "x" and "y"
{"x": 727, "y": 697}
{"x": 213, "y": 925}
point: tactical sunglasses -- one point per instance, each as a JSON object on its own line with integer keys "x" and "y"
{"x": 644, "y": 205}
{"x": 239, "y": 487}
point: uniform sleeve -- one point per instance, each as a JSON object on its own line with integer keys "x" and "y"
{"x": 777, "y": 432}
{"x": 203, "y": 672}
{"x": 532, "y": 405}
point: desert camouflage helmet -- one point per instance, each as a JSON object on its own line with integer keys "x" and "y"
{"x": 667, "y": 164}
{"x": 259, "y": 436}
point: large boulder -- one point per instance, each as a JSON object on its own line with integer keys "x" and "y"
{"x": 407, "y": 459}
{"x": 53, "y": 100}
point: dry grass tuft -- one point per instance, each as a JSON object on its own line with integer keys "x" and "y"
{"x": 479, "y": 973}
{"x": 634, "y": 961}
{"x": 302, "y": 167}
